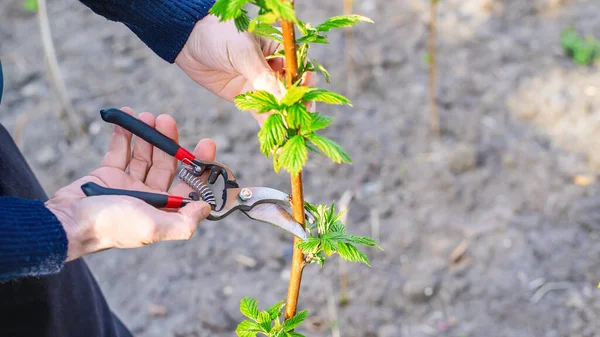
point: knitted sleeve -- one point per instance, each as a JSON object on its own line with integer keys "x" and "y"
{"x": 163, "y": 25}
{"x": 32, "y": 240}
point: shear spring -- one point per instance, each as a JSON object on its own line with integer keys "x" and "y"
{"x": 198, "y": 185}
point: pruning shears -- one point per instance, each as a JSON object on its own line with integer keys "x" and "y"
{"x": 262, "y": 204}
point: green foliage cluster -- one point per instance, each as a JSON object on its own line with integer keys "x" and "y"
{"x": 267, "y": 322}
{"x": 584, "y": 50}
{"x": 30, "y": 5}
{"x": 288, "y": 134}
{"x": 332, "y": 238}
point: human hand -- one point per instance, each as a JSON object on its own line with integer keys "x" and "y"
{"x": 229, "y": 63}
{"x": 98, "y": 223}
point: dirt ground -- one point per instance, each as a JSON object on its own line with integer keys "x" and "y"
{"x": 513, "y": 175}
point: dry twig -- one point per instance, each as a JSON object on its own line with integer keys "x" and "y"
{"x": 73, "y": 121}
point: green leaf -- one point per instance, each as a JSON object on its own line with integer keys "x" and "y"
{"x": 294, "y": 154}
{"x": 341, "y": 21}
{"x": 330, "y": 148}
{"x": 362, "y": 240}
{"x": 325, "y": 96}
{"x": 292, "y": 323}
{"x": 318, "y": 122}
{"x": 275, "y": 310}
{"x": 329, "y": 246}
{"x": 322, "y": 69}
{"x": 267, "y": 31}
{"x": 260, "y": 101}
{"x": 249, "y": 307}
{"x": 335, "y": 236}
{"x": 311, "y": 246}
{"x": 264, "y": 320}
{"x": 229, "y": 9}
{"x": 280, "y": 53}
{"x": 293, "y": 334}
{"x": 294, "y": 95}
{"x": 282, "y": 8}
{"x": 31, "y": 5}
{"x": 272, "y": 134}
{"x": 350, "y": 253}
{"x": 298, "y": 117}
{"x": 338, "y": 226}
{"x": 312, "y": 38}
{"x": 242, "y": 21}
{"x": 247, "y": 329}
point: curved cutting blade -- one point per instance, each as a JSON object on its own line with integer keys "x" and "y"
{"x": 277, "y": 216}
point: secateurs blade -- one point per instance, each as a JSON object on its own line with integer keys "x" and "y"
{"x": 258, "y": 203}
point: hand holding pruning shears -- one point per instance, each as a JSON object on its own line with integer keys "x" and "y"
{"x": 142, "y": 212}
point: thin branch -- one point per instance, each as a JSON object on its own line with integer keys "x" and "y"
{"x": 73, "y": 120}
{"x": 291, "y": 69}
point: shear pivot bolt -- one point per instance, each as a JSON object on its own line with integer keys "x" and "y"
{"x": 245, "y": 194}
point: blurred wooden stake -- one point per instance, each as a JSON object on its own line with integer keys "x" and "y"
{"x": 431, "y": 60}
{"x": 333, "y": 314}
{"x": 74, "y": 122}
{"x": 343, "y": 205}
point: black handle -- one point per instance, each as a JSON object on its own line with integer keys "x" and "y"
{"x": 140, "y": 129}
{"x": 154, "y": 199}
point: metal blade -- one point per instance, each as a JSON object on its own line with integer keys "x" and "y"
{"x": 277, "y": 216}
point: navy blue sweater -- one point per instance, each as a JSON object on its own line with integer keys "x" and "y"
{"x": 32, "y": 240}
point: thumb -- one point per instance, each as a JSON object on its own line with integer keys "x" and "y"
{"x": 195, "y": 211}
{"x": 254, "y": 67}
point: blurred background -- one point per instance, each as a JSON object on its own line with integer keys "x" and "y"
{"x": 489, "y": 229}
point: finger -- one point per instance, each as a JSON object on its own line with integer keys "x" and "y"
{"x": 163, "y": 167}
{"x": 119, "y": 148}
{"x": 206, "y": 149}
{"x": 141, "y": 157}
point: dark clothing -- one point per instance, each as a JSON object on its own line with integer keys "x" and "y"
{"x": 65, "y": 304}
{"x": 163, "y": 25}
{"x": 40, "y": 295}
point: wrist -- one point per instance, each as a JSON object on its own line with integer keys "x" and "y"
{"x": 80, "y": 237}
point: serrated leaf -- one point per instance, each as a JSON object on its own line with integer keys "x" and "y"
{"x": 318, "y": 122}
{"x": 272, "y": 134}
{"x": 293, "y": 322}
{"x": 242, "y": 21}
{"x": 330, "y": 148}
{"x": 335, "y": 236}
{"x": 249, "y": 307}
{"x": 275, "y": 310}
{"x": 282, "y": 8}
{"x": 362, "y": 240}
{"x": 294, "y": 95}
{"x": 329, "y": 247}
{"x": 260, "y": 101}
{"x": 325, "y": 96}
{"x": 264, "y": 320}
{"x": 267, "y": 31}
{"x": 298, "y": 117}
{"x": 350, "y": 253}
{"x": 322, "y": 69}
{"x": 295, "y": 334}
{"x": 338, "y": 226}
{"x": 341, "y": 21}
{"x": 311, "y": 246}
{"x": 228, "y": 9}
{"x": 247, "y": 329}
{"x": 312, "y": 38}
{"x": 294, "y": 154}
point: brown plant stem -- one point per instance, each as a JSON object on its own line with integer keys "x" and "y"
{"x": 431, "y": 45}
{"x": 291, "y": 70}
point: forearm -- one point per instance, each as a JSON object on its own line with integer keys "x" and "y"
{"x": 163, "y": 25}
{"x": 32, "y": 240}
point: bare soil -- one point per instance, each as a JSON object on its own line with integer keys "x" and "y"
{"x": 513, "y": 176}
